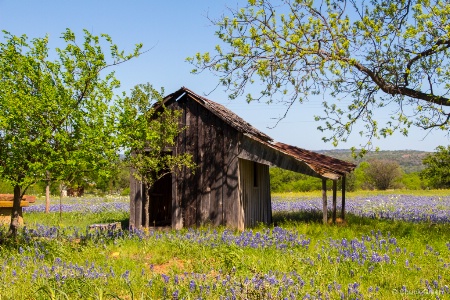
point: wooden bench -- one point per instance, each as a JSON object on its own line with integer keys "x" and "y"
{"x": 10, "y": 197}
{"x": 6, "y": 205}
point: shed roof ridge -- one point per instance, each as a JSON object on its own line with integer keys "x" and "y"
{"x": 227, "y": 115}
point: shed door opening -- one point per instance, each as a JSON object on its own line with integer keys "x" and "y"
{"x": 161, "y": 202}
{"x": 160, "y": 206}
{"x": 254, "y": 189}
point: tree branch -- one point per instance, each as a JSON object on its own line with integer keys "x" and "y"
{"x": 434, "y": 49}
{"x": 396, "y": 89}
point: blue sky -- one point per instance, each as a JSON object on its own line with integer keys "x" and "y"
{"x": 174, "y": 30}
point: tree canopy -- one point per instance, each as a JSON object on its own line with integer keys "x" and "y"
{"x": 371, "y": 54}
{"x": 437, "y": 168}
{"x": 55, "y": 115}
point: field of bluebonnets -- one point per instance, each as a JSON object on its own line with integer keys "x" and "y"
{"x": 390, "y": 247}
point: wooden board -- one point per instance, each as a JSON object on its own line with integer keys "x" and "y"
{"x": 7, "y": 203}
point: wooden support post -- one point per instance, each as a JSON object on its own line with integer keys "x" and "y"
{"x": 343, "y": 199}
{"x": 334, "y": 200}
{"x": 324, "y": 201}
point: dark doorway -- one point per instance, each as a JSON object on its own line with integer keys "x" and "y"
{"x": 160, "y": 209}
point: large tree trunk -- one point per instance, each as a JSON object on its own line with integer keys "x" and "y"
{"x": 47, "y": 197}
{"x": 16, "y": 212}
{"x": 60, "y": 200}
{"x": 147, "y": 208}
{"x": 47, "y": 194}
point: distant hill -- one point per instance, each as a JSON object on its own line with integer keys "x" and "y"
{"x": 409, "y": 160}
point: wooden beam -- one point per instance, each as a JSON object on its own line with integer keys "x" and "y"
{"x": 262, "y": 153}
{"x": 343, "y": 198}
{"x": 324, "y": 201}
{"x": 334, "y": 200}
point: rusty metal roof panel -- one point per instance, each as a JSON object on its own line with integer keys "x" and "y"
{"x": 322, "y": 164}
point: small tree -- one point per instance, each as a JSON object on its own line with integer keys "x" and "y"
{"x": 383, "y": 173}
{"x": 55, "y": 118}
{"x": 148, "y": 129}
{"x": 437, "y": 170}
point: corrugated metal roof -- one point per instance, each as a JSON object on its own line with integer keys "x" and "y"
{"x": 323, "y": 165}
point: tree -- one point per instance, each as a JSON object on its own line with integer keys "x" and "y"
{"x": 412, "y": 181}
{"x": 56, "y": 120}
{"x": 288, "y": 181}
{"x": 371, "y": 53}
{"x": 148, "y": 129}
{"x": 437, "y": 170}
{"x": 383, "y": 174}
{"x": 117, "y": 182}
{"x": 357, "y": 180}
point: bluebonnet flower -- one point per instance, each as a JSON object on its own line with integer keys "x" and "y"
{"x": 192, "y": 285}
{"x": 403, "y": 207}
{"x": 165, "y": 278}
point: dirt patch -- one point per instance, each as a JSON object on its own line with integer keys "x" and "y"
{"x": 172, "y": 264}
{"x": 339, "y": 221}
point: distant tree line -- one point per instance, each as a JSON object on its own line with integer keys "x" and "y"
{"x": 375, "y": 174}
{"x": 118, "y": 182}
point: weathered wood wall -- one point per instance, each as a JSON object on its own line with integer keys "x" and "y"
{"x": 136, "y": 208}
{"x": 210, "y": 195}
{"x": 255, "y": 192}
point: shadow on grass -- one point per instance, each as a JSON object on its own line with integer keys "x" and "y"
{"x": 316, "y": 217}
{"x": 298, "y": 216}
{"x": 363, "y": 225}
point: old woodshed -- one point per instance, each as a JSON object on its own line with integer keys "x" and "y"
{"x": 231, "y": 184}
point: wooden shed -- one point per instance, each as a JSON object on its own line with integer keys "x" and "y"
{"x": 231, "y": 184}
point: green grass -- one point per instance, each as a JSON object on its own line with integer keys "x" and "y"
{"x": 78, "y": 219}
{"x": 415, "y": 261}
{"x": 362, "y": 193}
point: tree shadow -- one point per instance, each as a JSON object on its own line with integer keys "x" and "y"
{"x": 297, "y": 216}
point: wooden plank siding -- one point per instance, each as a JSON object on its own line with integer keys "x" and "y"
{"x": 181, "y": 182}
{"x": 233, "y": 210}
{"x": 135, "y": 202}
{"x": 217, "y": 172}
{"x": 189, "y": 194}
{"x": 210, "y": 145}
{"x": 255, "y": 192}
{"x": 213, "y": 187}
